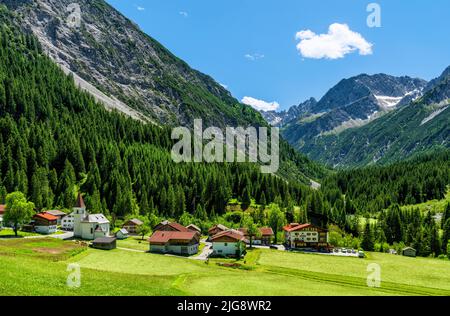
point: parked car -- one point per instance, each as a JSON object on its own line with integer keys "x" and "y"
{"x": 361, "y": 254}
{"x": 274, "y": 247}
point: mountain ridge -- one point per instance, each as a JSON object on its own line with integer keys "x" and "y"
{"x": 111, "y": 53}
{"x": 419, "y": 127}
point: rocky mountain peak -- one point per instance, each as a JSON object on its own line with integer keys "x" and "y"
{"x": 125, "y": 68}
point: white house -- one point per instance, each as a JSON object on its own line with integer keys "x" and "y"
{"x": 58, "y": 214}
{"x": 229, "y": 243}
{"x": 122, "y": 234}
{"x": 175, "y": 242}
{"x": 301, "y": 236}
{"x": 88, "y": 226}
{"x": 45, "y": 223}
{"x": 67, "y": 222}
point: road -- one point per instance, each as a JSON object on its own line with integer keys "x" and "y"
{"x": 64, "y": 236}
{"x": 206, "y": 252}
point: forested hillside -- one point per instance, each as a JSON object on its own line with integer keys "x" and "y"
{"x": 56, "y": 140}
{"x": 409, "y": 182}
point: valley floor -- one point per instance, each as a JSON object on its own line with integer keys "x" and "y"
{"x": 40, "y": 267}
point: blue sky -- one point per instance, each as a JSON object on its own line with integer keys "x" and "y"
{"x": 251, "y": 47}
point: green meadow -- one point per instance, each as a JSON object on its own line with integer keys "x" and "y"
{"x": 39, "y": 267}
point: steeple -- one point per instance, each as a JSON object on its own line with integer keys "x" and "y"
{"x": 80, "y": 202}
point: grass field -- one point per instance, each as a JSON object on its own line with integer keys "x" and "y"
{"x": 9, "y": 233}
{"x": 39, "y": 267}
{"x": 135, "y": 243}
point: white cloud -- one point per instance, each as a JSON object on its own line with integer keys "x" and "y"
{"x": 224, "y": 85}
{"x": 254, "y": 57}
{"x": 338, "y": 42}
{"x": 184, "y": 13}
{"x": 260, "y": 105}
{"x": 140, "y": 8}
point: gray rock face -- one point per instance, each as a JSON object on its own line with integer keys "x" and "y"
{"x": 115, "y": 58}
{"x": 280, "y": 119}
{"x": 406, "y": 130}
{"x": 351, "y": 103}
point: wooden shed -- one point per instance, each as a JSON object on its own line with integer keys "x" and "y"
{"x": 105, "y": 243}
{"x": 409, "y": 252}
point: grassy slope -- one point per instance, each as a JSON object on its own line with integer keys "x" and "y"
{"x": 407, "y": 274}
{"x": 135, "y": 243}
{"x": 436, "y": 206}
{"x": 267, "y": 272}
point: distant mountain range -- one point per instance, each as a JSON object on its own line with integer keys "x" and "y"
{"x": 370, "y": 119}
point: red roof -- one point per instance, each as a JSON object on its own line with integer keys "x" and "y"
{"x": 233, "y": 234}
{"x": 179, "y": 227}
{"x": 295, "y": 227}
{"x": 80, "y": 202}
{"x": 219, "y": 227}
{"x": 56, "y": 213}
{"x": 162, "y": 237}
{"x": 265, "y": 231}
{"x": 2, "y": 209}
{"x": 46, "y": 216}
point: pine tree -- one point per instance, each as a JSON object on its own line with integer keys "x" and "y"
{"x": 368, "y": 243}
{"x": 446, "y": 236}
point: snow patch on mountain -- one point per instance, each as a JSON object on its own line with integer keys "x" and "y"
{"x": 387, "y": 102}
{"x": 353, "y": 123}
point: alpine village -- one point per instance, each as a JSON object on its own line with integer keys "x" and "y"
{"x": 87, "y": 177}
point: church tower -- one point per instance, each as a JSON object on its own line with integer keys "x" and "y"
{"x": 79, "y": 213}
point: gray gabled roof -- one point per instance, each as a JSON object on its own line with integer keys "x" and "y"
{"x": 96, "y": 218}
{"x": 56, "y": 213}
{"x": 104, "y": 240}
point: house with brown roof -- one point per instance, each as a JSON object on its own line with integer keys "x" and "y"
{"x": 58, "y": 214}
{"x": 265, "y": 237}
{"x": 302, "y": 236}
{"x": 175, "y": 242}
{"x": 217, "y": 229}
{"x": 229, "y": 243}
{"x": 194, "y": 228}
{"x": 132, "y": 226}
{"x": 170, "y": 226}
{"x": 45, "y": 223}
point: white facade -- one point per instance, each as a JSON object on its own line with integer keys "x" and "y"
{"x": 89, "y": 227}
{"x": 225, "y": 248}
{"x": 46, "y": 230}
{"x": 175, "y": 249}
{"x": 122, "y": 234}
{"x": 303, "y": 236}
{"x": 67, "y": 222}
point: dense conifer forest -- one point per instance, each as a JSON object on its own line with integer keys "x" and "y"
{"x": 56, "y": 141}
